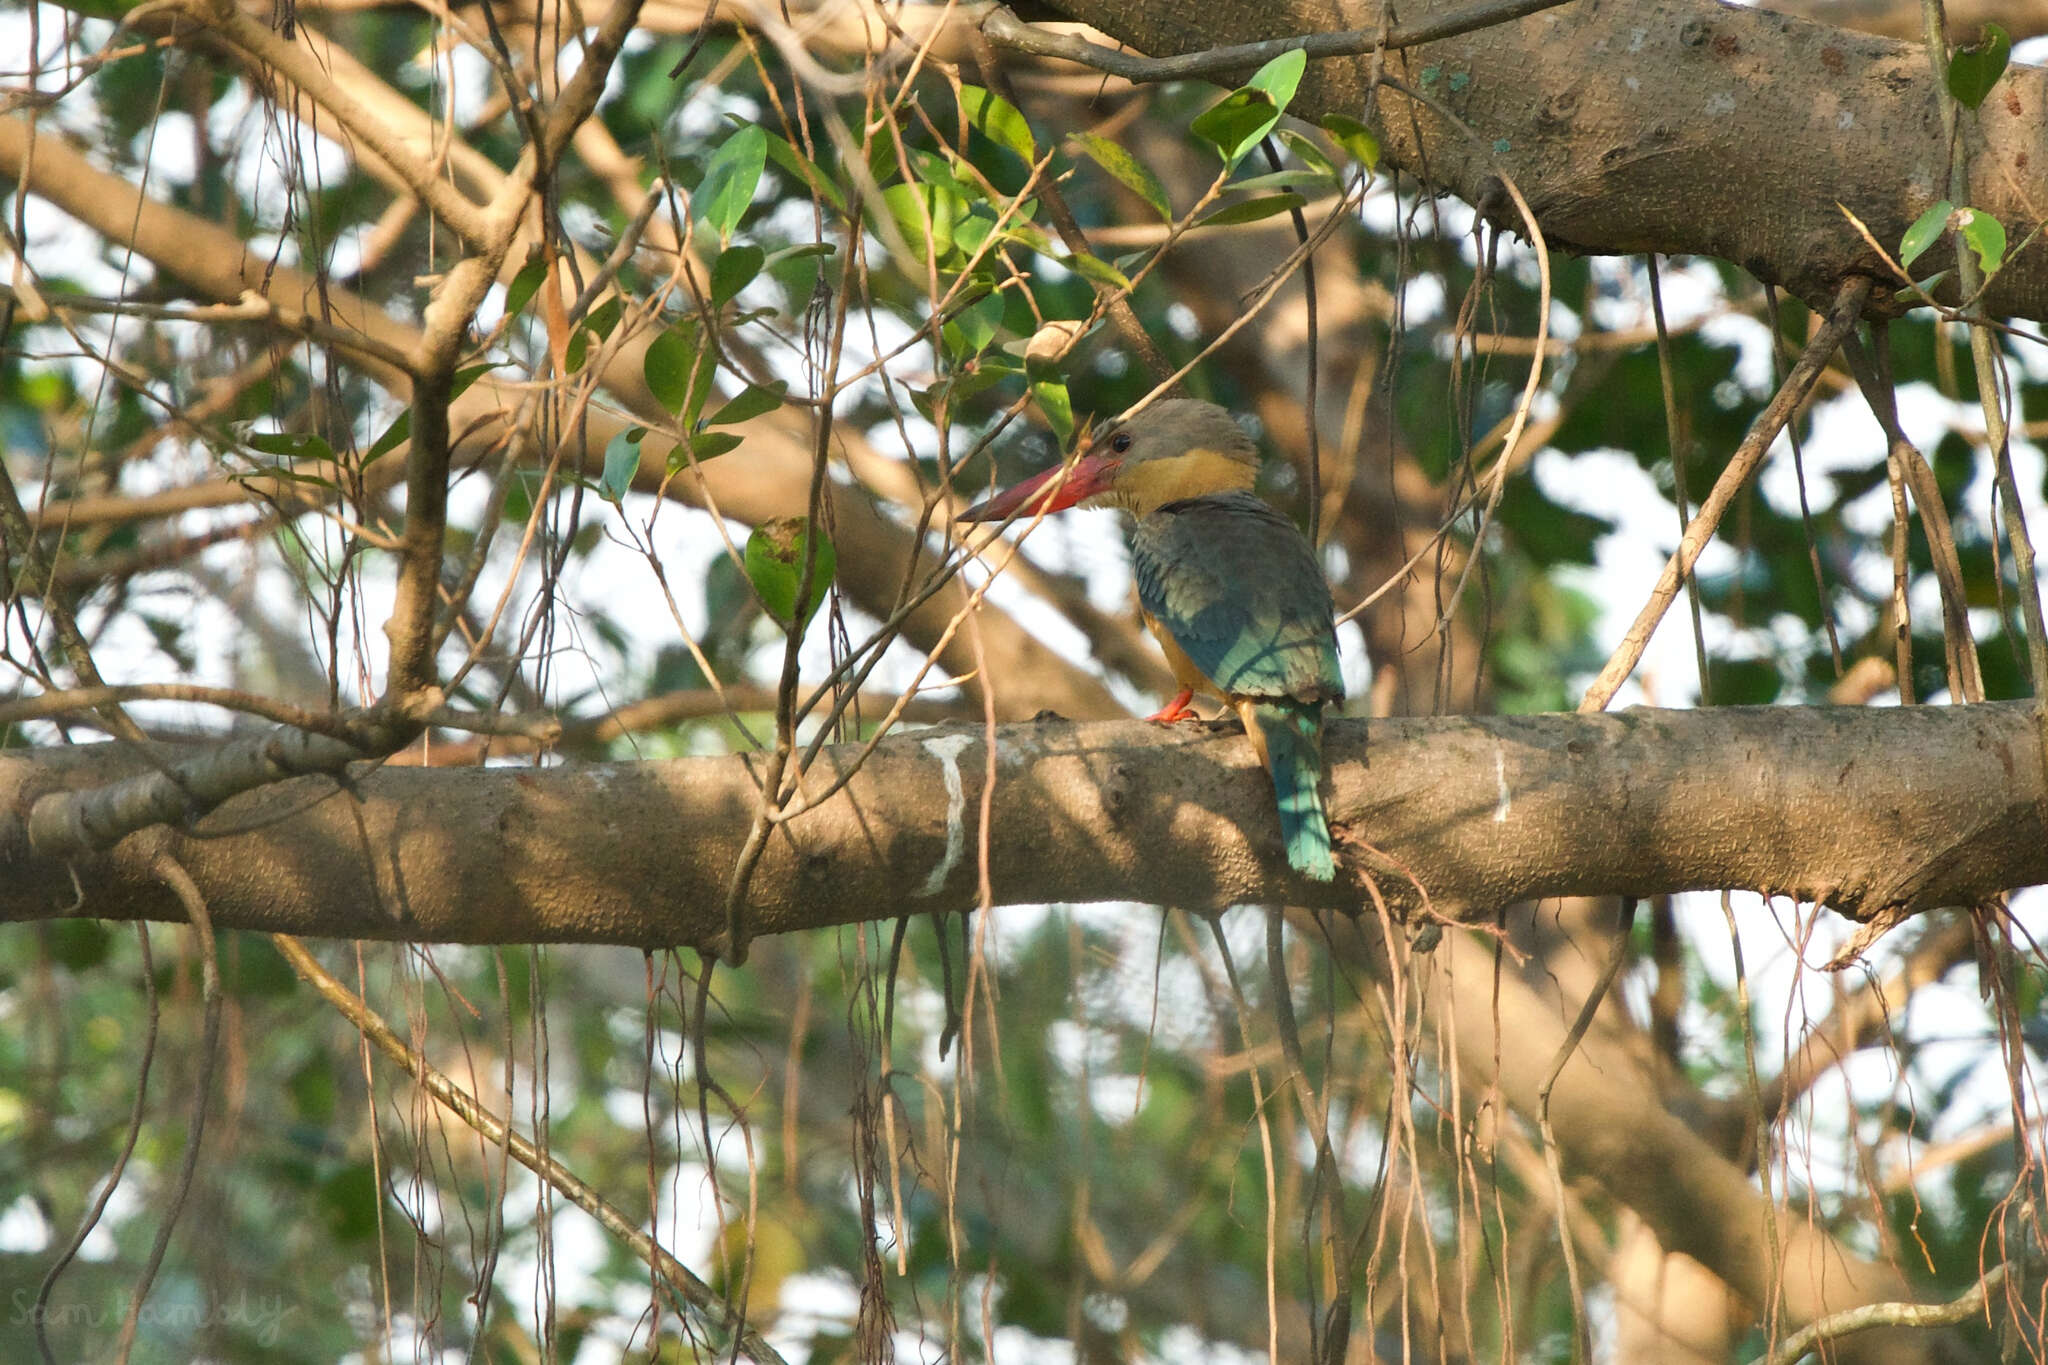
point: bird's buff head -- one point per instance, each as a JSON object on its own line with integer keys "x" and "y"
{"x": 1181, "y": 448}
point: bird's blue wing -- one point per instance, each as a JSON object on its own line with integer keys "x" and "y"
{"x": 1237, "y": 587}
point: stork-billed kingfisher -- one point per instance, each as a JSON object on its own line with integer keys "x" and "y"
{"x": 1227, "y": 584}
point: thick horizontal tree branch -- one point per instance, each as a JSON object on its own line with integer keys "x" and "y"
{"x": 1675, "y": 126}
{"x": 1007, "y": 30}
{"x": 1865, "y": 809}
{"x": 1902, "y": 18}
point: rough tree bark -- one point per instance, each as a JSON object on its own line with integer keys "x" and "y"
{"x": 1676, "y": 126}
{"x": 1866, "y": 809}
{"x": 1901, "y": 18}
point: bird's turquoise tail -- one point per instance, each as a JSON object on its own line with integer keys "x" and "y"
{"x": 1293, "y": 743}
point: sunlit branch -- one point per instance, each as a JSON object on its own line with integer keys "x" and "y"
{"x": 1005, "y": 29}
{"x": 1486, "y": 811}
{"x": 1969, "y": 1304}
{"x": 73, "y": 701}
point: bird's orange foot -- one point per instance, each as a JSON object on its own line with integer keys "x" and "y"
{"x": 1177, "y": 709}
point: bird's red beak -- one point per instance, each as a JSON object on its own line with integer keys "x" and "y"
{"x": 1053, "y": 491}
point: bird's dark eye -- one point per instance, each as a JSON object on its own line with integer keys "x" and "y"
{"x": 1120, "y": 442}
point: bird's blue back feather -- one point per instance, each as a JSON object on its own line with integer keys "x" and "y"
{"x": 1236, "y": 585}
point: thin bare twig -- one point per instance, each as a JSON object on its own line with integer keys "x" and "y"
{"x": 1873, "y": 375}
{"x": 1993, "y": 382}
{"x": 41, "y": 1312}
{"x": 174, "y": 875}
{"x": 73, "y": 700}
{"x": 1587, "y": 1009}
{"x": 444, "y": 1091}
{"x": 1848, "y": 306}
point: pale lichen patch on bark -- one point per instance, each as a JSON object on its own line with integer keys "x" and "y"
{"x": 947, "y": 749}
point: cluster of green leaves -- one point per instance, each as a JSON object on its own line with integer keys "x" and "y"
{"x": 1973, "y": 71}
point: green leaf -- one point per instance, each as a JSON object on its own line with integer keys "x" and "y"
{"x": 670, "y": 358}
{"x": 971, "y": 232}
{"x": 969, "y": 331}
{"x": 934, "y": 169}
{"x": 753, "y": 401}
{"x": 1049, "y": 391}
{"x": 1973, "y": 70}
{"x": 804, "y": 169}
{"x": 1127, "y": 170}
{"x": 1281, "y": 77}
{"x": 1095, "y": 269}
{"x": 394, "y": 436}
{"x": 525, "y": 284}
{"x": 1235, "y": 124}
{"x": 1354, "y": 137}
{"x": 605, "y": 316}
{"x": 1251, "y": 210}
{"x": 709, "y": 445}
{"x": 600, "y": 322}
{"x": 731, "y": 179}
{"x": 964, "y": 383}
{"x": 621, "y": 463}
{"x": 798, "y": 253}
{"x": 679, "y": 370}
{"x": 1306, "y": 149}
{"x": 1926, "y": 230}
{"x": 1284, "y": 180}
{"x": 293, "y": 445}
{"x": 468, "y": 375}
{"x": 700, "y": 386}
{"x": 733, "y": 271}
{"x": 883, "y": 164}
{"x": 775, "y": 566}
{"x": 912, "y": 207}
{"x": 998, "y": 120}
{"x": 1025, "y": 234}
{"x": 1986, "y": 236}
